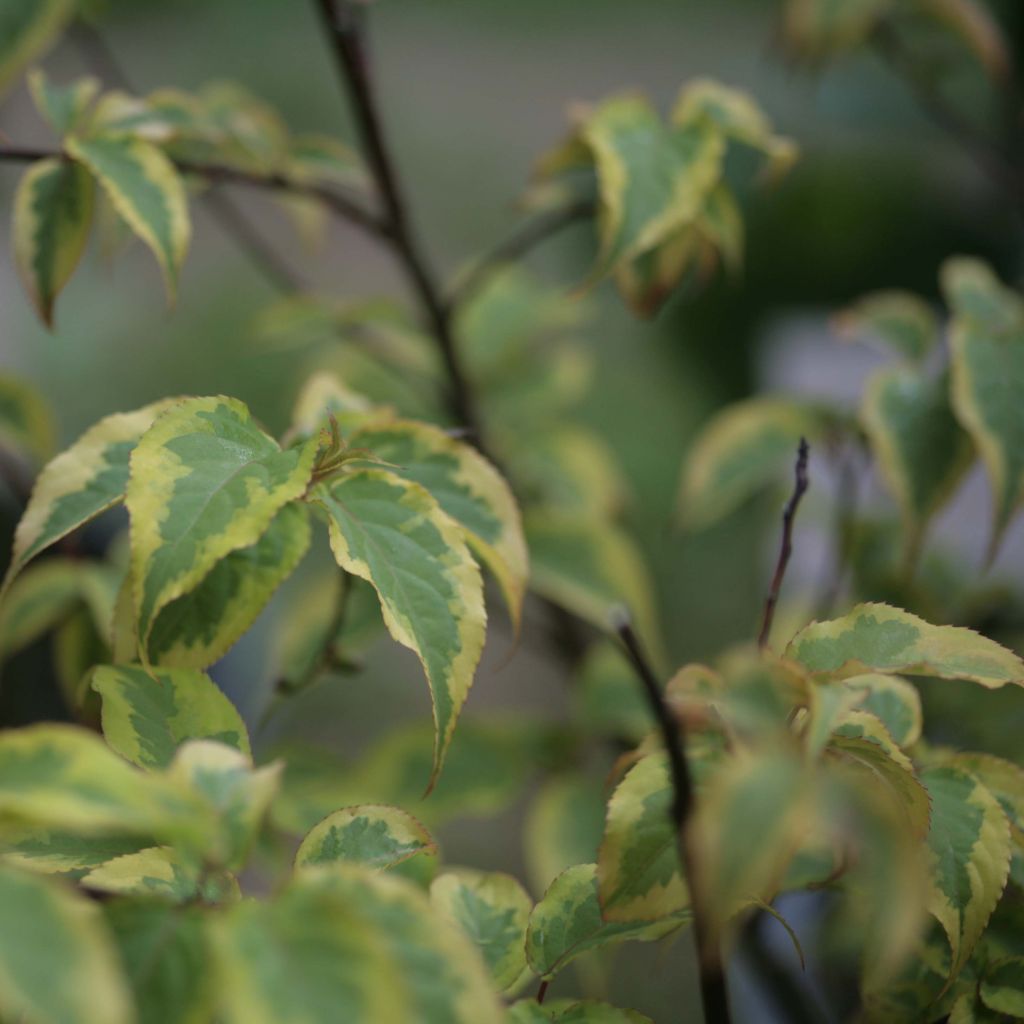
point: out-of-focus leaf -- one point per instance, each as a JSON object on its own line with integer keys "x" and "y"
{"x": 37, "y": 602}
{"x": 894, "y": 701}
{"x": 1002, "y": 988}
{"x": 63, "y": 106}
{"x": 27, "y": 29}
{"x": 608, "y": 698}
{"x": 26, "y": 423}
{"x": 160, "y": 873}
{"x": 899, "y": 323}
{"x": 975, "y": 26}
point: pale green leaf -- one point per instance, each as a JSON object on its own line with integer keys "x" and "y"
{"x": 879, "y": 637}
{"x": 898, "y": 323}
{"x": 345, "y": 944}
{"x": 27, "y": 29}
{"x": 63, "y": 106}
{"x": 147, "y": 716}
{"x": 392, "y": 533}
{"x": 146, "y": 190}
{"x": 568, "y": 922}
{"x": 52, "y": 216}
{"x": 57, "y": 961}
{"x": 492, "y": 909}
{"x": 205, "y": 482}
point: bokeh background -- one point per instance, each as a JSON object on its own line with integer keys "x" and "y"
{"x": 473, "y": 91}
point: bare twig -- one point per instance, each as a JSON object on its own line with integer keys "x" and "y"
{"x": 712, "y": 976}
{"x": 786, "y": 549}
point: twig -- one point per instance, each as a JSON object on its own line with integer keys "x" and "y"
{"x": 343, "y": 23}
{"x": 712, "y": 977}
{"x": 542, "y": 989}
{"x": 517, "y": 244}
{"x": 788, "y": 515}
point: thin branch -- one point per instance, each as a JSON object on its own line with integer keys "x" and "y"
{"x": 712, "y": 976}
{"x": 542, "y": 989}
{"x": 524, "y": 238}
{"x": 786, "y": 549}
{"x": 342, "y": 22}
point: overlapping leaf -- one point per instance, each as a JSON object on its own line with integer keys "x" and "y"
{"x": 63, "y": 106}
{"x": 392, "y": 533}
{"x": 38, "y": 601}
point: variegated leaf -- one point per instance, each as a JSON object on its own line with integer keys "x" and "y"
{"x": 492, "y": 909}
{"x": 392, "y": 533}
{"x": 146, "y": 190}
{"x": 894, "y": 701}
{"x": 27, "y": 30}
{"x": 37, "y": 602}
{"x": 79, "y": 484}
{"x": 53, "y": 851}
{"x": 344, "y": 943}
{"x": 162, "y": 873}
{"x": 899, "y": 323}
{"x": 57, "y": 961}
{"x": 198, "y": 628}
{"x": 147, "y": 716}
{"x": 467, "y": 487}
{"x": 878, "y": 637}
{"x": 568, "y": 922}
{"x": 205, "y": 482}
{"x": 638, "y": 871}
{"x": 969, "y": 843}
{"x": 52, "y": 216}
{"x": 374, "y": 835}
{"x": 63, "y": 106}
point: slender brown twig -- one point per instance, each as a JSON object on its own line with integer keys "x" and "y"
{"x": 786, "y": 549}
{"x": 714, "y": 994}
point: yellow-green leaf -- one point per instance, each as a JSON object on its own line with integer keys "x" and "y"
{"x": 63, "y": 106}
{"x": 27, "y": 30}
{"x": 878, "y": 637}
{"x": 57, "y": 961}
{"x": 163, "y": 873}
{"x": 205, "y": 482}
{"x": 37, "y": 602}
{"x": 898, "y": 323}
{"x": 53, "y": 851}
{"x": 146, "y": 190}
{"x": 26, "y": 423}
{"x": 79, "y": 484}
{"x": 52, "y": 216}
{"x": 392, "y": 533}
{"x": 492, "y": 909}
{"x": 893, "y": 700}
{"x": 147, "y": 716}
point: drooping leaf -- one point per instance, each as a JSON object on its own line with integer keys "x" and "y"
{"x": 969, "y": 842}
{"x": 52, "y": 216}
{"x": 376, "y": 836}
{"x": 899, "y": 323}
{"x": 205, "y": 482}
{"x": 79, "y": 484}
{"x": 62, "y": 105}
{"x": 392, "y": 533}
{"x": 878, "y": 637}
{"x": 638, "y": 872}
{"x": 343, "y": 943}
{"x": 987, "y": 349}
{"x": 743, "y": 448}
{"x": 27, "y": 30}
{"x": 467, "y": 487}
{"x": 37, "y": 602}
{"x": 147, "y": 716}
{"x": 164, "y": 954}
{"x": 146, "y": 190}
{"x": 57, "y": 961}
{"x": 198, "y": 628}
{"x": 492, "y": 909}
{"x": 922, "y": 450}
{"x": 568, "y": 922}
{"x": 26, "y": 423}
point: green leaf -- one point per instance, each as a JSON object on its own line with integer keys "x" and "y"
{"x": 392, "y": 533}
{"x": 467, "y": 487}
{"x": 922, "y": 451}
{"x": 37, "y": 602}
{"x": 79, "y": 484}
{"x": 492, "y": 909}
{"x": 26, "y": 423}
{"x": 146, "y": 190}
{"x": 589, "y": 1011}
{"x": 27, "y": 30}
{"x": 568, "y": 923}
{"x": 969, "y": 843}
{"x": 54, "y": 851}
{"x": 898, "y": 323}
{"x": 165, "y": 956}
{"x": 741, "y": 450}
{"x": 895, "y": 702}
{"x": 638, "y": 872}
{"x": 987, "y": 349}
{"x": 57, "y": 962}
{"x": 160, "y": 872}
{"x": 63, "y": 106}
{"x": 879, "y": 637}
{"x": 1002, "y": 988}
{"x": 345, "y": 944}
{"x": 375, "y": 836}
{"x": 205, "y": 482}
{"x": 198, "y": 628}
{"x": 52, "y": 216}
{"x": 147, "y": 716}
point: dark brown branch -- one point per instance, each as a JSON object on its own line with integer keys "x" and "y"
{"x": 786, "y": 549}
{"x": 342, "y": 20}
{"x": 673, "y": 734}
{"x": 524, "y": 238}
